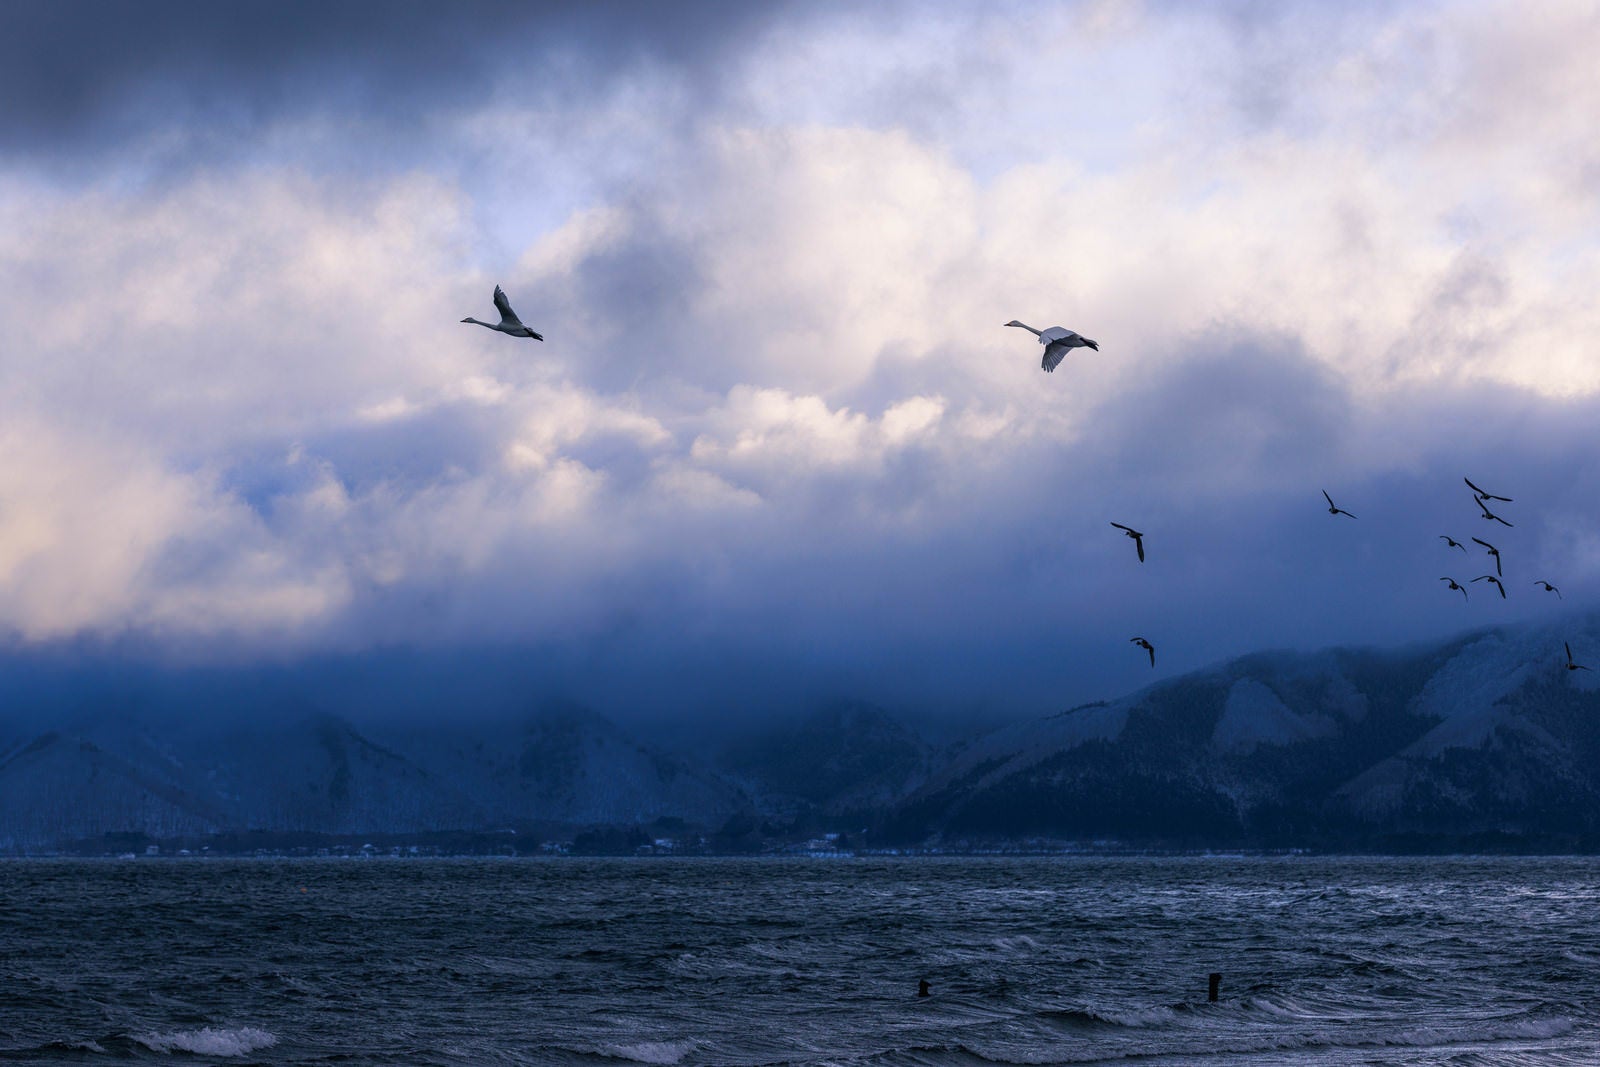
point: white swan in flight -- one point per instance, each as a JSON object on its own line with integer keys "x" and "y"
{"x": 509, "y": 323}
{"x": 1057, "y": 341}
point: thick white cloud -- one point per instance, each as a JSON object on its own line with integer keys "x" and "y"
{"x": 777, "y": 410}
{"x": 98, "y": 534}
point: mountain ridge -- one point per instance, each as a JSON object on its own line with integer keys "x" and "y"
{"x": 1482, "y": 737}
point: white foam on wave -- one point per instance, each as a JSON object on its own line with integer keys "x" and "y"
{"x": 1155, "y": 1015}
{"x": 1493, "y": 1030}
{"x": 86, "y": 1045}
{"x": 209, "y": 1041}
{"x": 1540, "y": 1028}
{"x": 1013, "y": 944}
{"x": 664, "y": 1052}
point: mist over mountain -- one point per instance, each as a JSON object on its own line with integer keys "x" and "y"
{"x": 1485, "y": 741}
{"x": 846, "y": 759}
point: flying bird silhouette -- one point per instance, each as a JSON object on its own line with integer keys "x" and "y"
{"x": 1457, "y": 585}
{"x": 1496, "y": 581}
{"x": 1495, "y": 552}
{"x": 1548, "y": 588}
{"x": 1057, "y": 341}
{"x": 1147, "y": 646}
{"x": 1138, "y": 538}
{"x": 1334, "y": 509}
{"x": 509, "y": 323}
{"x": 1452, "y": 542}
{"x": 1571, "y": 666}
{"x": 1480, "y": 492}
{"x": 1489, "y": 514}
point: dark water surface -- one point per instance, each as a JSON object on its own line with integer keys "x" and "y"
{"x": 765, "y": 961}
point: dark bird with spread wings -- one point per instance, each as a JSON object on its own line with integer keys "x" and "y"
{"x": 1147, "y": 646}
{"x": 509, "y": 323}
{"x": 1138, "y": 538}
{"x": 1334, "y": 509}
{"x": 1497, "y": 584}
{"x": 1489, "y": 514}
{"x": 1548, "y": 588}
{"x": 1057, "y": 341}
{"x": 1451, "y": 542}
{"x": 1456, "y": 585}
{"x": 1571, "y": 666}
{"x": 1495, "y": 552}
{"x": 1479, "y": 492}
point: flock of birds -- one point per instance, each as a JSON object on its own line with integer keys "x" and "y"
{"x": 1482, "y": 497}
{"x": 1058, "y": 341}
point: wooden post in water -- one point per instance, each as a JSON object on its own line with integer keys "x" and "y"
{"x": 1216, "y": 983}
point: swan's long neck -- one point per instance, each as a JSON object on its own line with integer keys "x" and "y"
{"x": 1025, "y": 326}
{"x": 491, "y": 325}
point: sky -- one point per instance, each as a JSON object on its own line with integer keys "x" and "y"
{"x": 777, "y": 446}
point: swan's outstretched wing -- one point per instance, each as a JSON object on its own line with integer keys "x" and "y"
{"x": 507, "y": 316}
{"x": 1058, "y": 341}
{"x": 1054, "y": 353}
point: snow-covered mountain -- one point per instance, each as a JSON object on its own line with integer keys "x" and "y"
{"x": 314, "y": 773}
{"x": 1485, "y": 739}
{"x": 568, "y": 766}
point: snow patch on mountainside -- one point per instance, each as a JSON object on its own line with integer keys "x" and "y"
{"x": 1015, "y": 748}
{"x": 1477, "y": 678}
{"x": 1254, "y": 715}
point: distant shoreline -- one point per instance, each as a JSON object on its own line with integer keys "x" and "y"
{"x": 795, "y": 856}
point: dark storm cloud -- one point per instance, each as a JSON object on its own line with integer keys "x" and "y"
{"x": 85, "y": 76}
{"x": 647, "y": 286}
{"x": 1257, "y": 408}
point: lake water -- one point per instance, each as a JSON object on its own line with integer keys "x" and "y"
{"x": 795, "y": 961}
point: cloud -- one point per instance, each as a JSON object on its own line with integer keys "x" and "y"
{"x": 89, "y": 77}
{"x": 777, "y": 436}
{"x": 97, "y": 534}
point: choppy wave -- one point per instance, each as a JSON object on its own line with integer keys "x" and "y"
{"x": 1155, "y": 1015}
{"x": 209, "y": 1041}
{"x": 660, "y": 1052}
